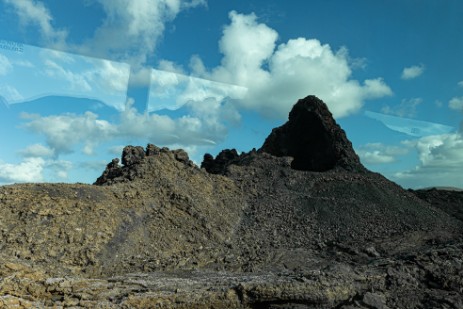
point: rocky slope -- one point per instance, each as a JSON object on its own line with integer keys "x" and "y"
{"x": 290, "y": 225}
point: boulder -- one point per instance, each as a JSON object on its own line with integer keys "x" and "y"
{"x": 132, "y": 155}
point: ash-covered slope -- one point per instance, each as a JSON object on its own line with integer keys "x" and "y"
{"x": 323, "y": 232}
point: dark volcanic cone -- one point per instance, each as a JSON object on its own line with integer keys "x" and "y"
{"x": 314, "y": 139}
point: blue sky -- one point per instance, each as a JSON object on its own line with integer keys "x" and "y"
{"x": 81, "y": 79}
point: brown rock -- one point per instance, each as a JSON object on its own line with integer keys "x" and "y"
{"x": 132, "y": 155}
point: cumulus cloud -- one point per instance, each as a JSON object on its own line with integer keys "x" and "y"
{"x": 37, "y": 150}
{"x": 456, "y": 103}
{"x": 406, "y": 108}
{"x": 173, "y": 90}
{"x": 193, "y": 129}
{"x": 34, "y": 169}
{"x": 29, "y": 170}
{"x": 441, "y": 162}
{"x": 63, "y": 132}
{"x": 140, "y": 23}
{"x": 377, "y": 153}
{"x": 412, "y": 72}
{"x": 276, "y": 76}
{"x": 460, "y": 83}
{"x": 129, "y": 32}
{"x": 35, "y": 13}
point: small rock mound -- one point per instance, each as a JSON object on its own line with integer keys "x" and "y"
{"x": 132, "y": 167}
{"x": 221, "y": 161}
{"x": 219, "y": 165}
{"x": 314, "y": 139}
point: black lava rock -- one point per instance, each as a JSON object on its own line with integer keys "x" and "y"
{"x": 314, "y": 139}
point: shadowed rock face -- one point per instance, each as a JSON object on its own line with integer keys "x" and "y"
{"x": 221, "y": 161}
{"x": 314, "y": 139}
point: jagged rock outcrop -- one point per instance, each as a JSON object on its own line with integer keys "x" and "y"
{"x": 313, "y": 138}
{"x": 219, "y": 164}
{"x": 250, "y": 230}
{"x": 132, "y": 167}
{"x": 132, "y": 155}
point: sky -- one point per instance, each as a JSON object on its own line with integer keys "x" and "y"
{"x": 79, "y": 80}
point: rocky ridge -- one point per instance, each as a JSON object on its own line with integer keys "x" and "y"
{"x": 251, "y": 230}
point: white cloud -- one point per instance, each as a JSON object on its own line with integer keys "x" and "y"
{"x": 170, "y": 66}
{"x": 110, "y": 76}
{"x": 63, "y": 132}
{"x": 34, "y": 169}
{"x": 76, "y": 81}
{"x": 30, "y": 170}
{"x": 194, "y": 129}
{"x": 277, "y": 76}
{"x": 172, "y": 90}
{"x": 74, "y": 75}
{"x": 37, "y": 150}
{"x": 140, "y": 23}
{"x": 406, "y": 108}
{"x": 5, "y": 65}
{"x": 377, "y": 153}
{"x": 10, "y": 93}
{"x": 36, "y": 14}
{"x": 460, "y": 83}
{"x": 456, "y": 103}
{"x": 441, "y": 162}
{"x": 412, "y": 72}
{"x": 129, "y": 32}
